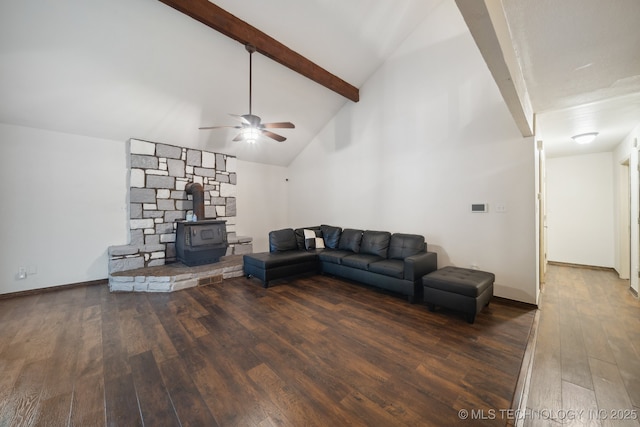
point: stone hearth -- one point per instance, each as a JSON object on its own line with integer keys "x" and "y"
{"x": 175, "y": 276}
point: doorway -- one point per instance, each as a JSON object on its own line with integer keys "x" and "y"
{"x": 542, "y": 214}
{"x": 624, "y": 220}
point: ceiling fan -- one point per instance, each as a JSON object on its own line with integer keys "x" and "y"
{"x": 250, "y": 125}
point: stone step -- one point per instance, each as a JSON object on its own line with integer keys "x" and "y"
{"x": 176, "y": 276}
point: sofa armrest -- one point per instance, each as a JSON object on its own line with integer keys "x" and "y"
{"x": 416, "y": 266}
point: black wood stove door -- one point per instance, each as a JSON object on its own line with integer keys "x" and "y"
{"x": 206, "y": 234}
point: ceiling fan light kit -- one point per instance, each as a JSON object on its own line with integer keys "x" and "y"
{"x": 250, "y": 125}
{"x": 585, "y": 138}
{"x": 250, "y": 135}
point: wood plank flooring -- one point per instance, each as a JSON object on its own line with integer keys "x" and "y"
{"x": 310, "y": 351}
{"x": 586, "y": 367}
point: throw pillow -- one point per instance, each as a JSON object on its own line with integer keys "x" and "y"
{"x": 313, "y": 239}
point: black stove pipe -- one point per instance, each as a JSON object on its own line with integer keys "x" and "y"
{"x": 197, "y": 191}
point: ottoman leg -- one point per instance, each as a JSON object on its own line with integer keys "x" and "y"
{"x": 431, "y": 307}
{"x": 470, "y": 318}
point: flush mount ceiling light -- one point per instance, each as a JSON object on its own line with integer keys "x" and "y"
{"x": 585, "y": 138}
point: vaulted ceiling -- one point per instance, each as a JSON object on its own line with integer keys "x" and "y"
{"x": 120, "y": 69}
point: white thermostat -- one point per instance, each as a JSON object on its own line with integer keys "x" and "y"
{"x": 480, "y": 207}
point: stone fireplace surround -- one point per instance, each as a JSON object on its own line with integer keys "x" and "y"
{"x": 157, "y": 176}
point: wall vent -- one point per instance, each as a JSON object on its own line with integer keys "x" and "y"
{"x": 204, "y": 281}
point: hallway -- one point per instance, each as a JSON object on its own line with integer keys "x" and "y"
{"x": 586, "y": 368}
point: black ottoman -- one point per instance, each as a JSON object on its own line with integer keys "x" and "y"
{"x": 268, "y": 266}
{"x": 460, "y": 289}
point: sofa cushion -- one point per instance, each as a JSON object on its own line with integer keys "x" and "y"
{"x": 266, "y": 260}
{"x": 331, "y": 236}
{"x": 388, "y": 267}
{"x": 350, "y": 240}
{"x": 313, "y": 239}
{"x": 375, "y": 243}
{"x": 404, "y": 245}
{"x": 282, "y": 240}
{"x": 360, "y": 261}
{"x": 333, "y": 256}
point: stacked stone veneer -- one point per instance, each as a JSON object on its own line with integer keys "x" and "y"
{"x": 158, "y": 174}
{"x": 170, "y": 280}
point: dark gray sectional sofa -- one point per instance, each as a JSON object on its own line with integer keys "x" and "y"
{"x": 395, "y": 262}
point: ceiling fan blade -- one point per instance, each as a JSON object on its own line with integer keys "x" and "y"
{"x": 243, "y": 119}
{"x": 273, "y": 135}
{"x": 281, "y": 125}
{"x": 240, "y": 137}
{"x": 220, "y": 127}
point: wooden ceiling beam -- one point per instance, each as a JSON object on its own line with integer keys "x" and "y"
{"x": 220, "y": 20}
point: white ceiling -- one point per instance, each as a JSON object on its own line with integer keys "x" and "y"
{"x": 118, "y": 69}
{"x": 581, "y": 63}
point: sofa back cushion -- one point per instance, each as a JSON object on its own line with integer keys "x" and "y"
{"x": 375, "y": 243}
{"x": 331, "y": 236}
{"x": 350, "y": 240}
{"x": 282, "y": 240}
{"x": 404, "y": 245}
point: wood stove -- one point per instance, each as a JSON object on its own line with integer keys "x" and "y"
{"x": 200, "y": 242}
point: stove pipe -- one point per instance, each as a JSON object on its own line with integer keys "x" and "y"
{"x": 197, "y": 191}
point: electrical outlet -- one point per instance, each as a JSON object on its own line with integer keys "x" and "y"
{"x": 501, "y": 207}
{"x": 475, "y": 267}
{"x": 22, "y": 273}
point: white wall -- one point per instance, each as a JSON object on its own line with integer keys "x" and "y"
{"x": 63, "y": 205}
{"x": 430, "y": 136}
{"x": 627, "y": 150}
{"x": 580, "y": 209}
{"x": 262, "y": 202}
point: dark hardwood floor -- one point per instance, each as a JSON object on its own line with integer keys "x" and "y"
{"x": 586, "y": 366}
{"x": 310, "y": 351}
